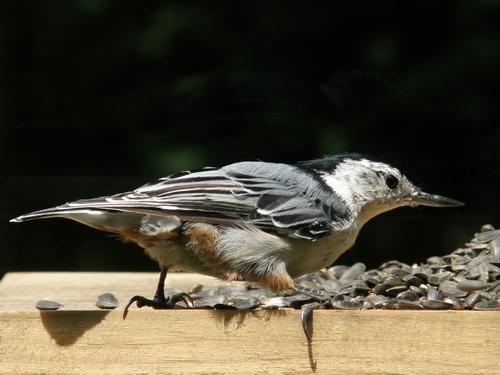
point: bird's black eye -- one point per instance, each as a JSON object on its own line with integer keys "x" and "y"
{"x": 391, "y": 181}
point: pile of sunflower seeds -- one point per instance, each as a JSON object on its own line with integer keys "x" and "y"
{"x": 468, "y": 278}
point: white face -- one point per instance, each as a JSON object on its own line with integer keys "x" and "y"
{"x": 370, "y": 188}
{"x": 365, "y": 180}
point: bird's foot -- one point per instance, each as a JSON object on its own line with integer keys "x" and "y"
{"x": 306, "y": 317}
{"x": 322, "y": 300}
{"x": 159, "y": 303}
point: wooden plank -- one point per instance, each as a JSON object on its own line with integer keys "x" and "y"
{"x": 79, "y": 290}
{"x": 206, "y": 341}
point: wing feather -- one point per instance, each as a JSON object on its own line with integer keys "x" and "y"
{"x": 273, "y": 197}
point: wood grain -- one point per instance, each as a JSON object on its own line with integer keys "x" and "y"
{"x": 79, "y": 341}
{"x": 79, "y": 290}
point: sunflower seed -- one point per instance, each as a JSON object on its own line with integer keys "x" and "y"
{"x": 230, "y": 290}
{"x": 362, "y": 288}
{"x": 486, "y": 295}
{"x": 391, "y": 304}
{"x": 479, "y": 272}
{"x": 423, "y": 276}
{"x": 107, "y": 301}
{"x": 413, "y": 280}
{"x": 273, "y": 302}
{"x": 471, "y": 285}
{"x": 297, "y": 300}
{"x": 397, "y": 272}
{"x": 408, "y": 296}
{"x": 45, "y": 304}
{"x": 462, "y": 251}
{"x": 487, "y": 306}
{"x": 456, "y": 302}
{"x": 492, "y": 268}
{"x": 487, "y": 228}
{"x": 337, "y": 271}
{"x": 433, "y": 293}
{"x": 409, "y": 305}
{"x": 395, "y": 290}
{"x": 486, "y": 236}
{"x": 244, "y": 303}
{"x": 380, "y": 289}
{"x": 393, "y": 281}
{"x": 351, "y": 304}
{"x": 196, "y": 289}
{"x": 203, "y": 294}
{"x": 390, "y": 263}
{"x": 436, "y": 305}
{"x": 332, "y": 285}
{"x": 310, "y": 284}
{"x": 371, "y": 281}
{"x": 450, "y": 289}
{"x": 436, "y": 261}
{"x": 481, "y": 258}
{"x": 377, "y": 300}
{"x": 354, "y": 271}
{"x": 417, "y": 291}
{"x": 494, "y": 287}
{"x": 495, "y": 248}
{"x": 472, "y": 299}
{"x": 440, "y": 277}
{"x": 458, "y": 267}
{"x": 210, "y": 302}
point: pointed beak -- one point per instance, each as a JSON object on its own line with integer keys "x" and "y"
{"x": 433, "y": 200}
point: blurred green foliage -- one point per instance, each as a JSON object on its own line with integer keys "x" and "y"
{"x": 124, "y": 92}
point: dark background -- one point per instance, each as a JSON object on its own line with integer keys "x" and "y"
{"x": 101, "y": 96}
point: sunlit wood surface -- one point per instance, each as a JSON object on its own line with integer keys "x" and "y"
{"x": 80, "y": 338}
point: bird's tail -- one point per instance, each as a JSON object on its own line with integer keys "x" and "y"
{"x": 52, "y": 212}
{"x": 102, "y": 219}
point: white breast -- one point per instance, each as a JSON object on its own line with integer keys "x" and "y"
{"x": 312, "y": 256}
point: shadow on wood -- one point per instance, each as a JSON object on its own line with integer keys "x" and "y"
{"x": 66, "y": 327}
{"x": 235, "y": 319}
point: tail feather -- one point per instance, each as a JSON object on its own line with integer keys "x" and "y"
{"x": 54, "y": 212}
{"x": 105, "y": 220}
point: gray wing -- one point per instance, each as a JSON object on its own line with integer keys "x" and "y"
{"x": 273, "y": 197}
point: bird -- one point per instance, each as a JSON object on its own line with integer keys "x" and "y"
{"x": 255, "y": 221}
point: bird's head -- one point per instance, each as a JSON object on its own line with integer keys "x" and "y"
{"x": 370, "y": 188}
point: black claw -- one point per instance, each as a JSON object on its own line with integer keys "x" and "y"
{"x": 321, "y": 300}
{"x": 306, "y": 317}
{"x": 183, "y": 297}
{"x": 132, "y": 300}
{"x": 159, "y": 303}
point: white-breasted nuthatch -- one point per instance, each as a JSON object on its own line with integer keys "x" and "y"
{"x": 255, "y": 221}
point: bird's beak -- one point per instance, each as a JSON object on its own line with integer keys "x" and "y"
{"x": 433, "y": 200}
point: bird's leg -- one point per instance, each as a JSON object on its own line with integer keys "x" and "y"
{"x": 321, "y": 300}
{"x": 159, "y": 300}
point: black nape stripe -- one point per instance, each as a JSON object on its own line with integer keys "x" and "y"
{"x": 328, "y": 163}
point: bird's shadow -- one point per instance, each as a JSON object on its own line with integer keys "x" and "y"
{"x": 66, "y": 327}
{"x": 237, "y": 317}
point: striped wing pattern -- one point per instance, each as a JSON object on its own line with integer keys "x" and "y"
{"x": 273, "y": 197}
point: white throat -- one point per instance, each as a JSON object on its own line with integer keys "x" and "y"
{"x": 357, "y": 192}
